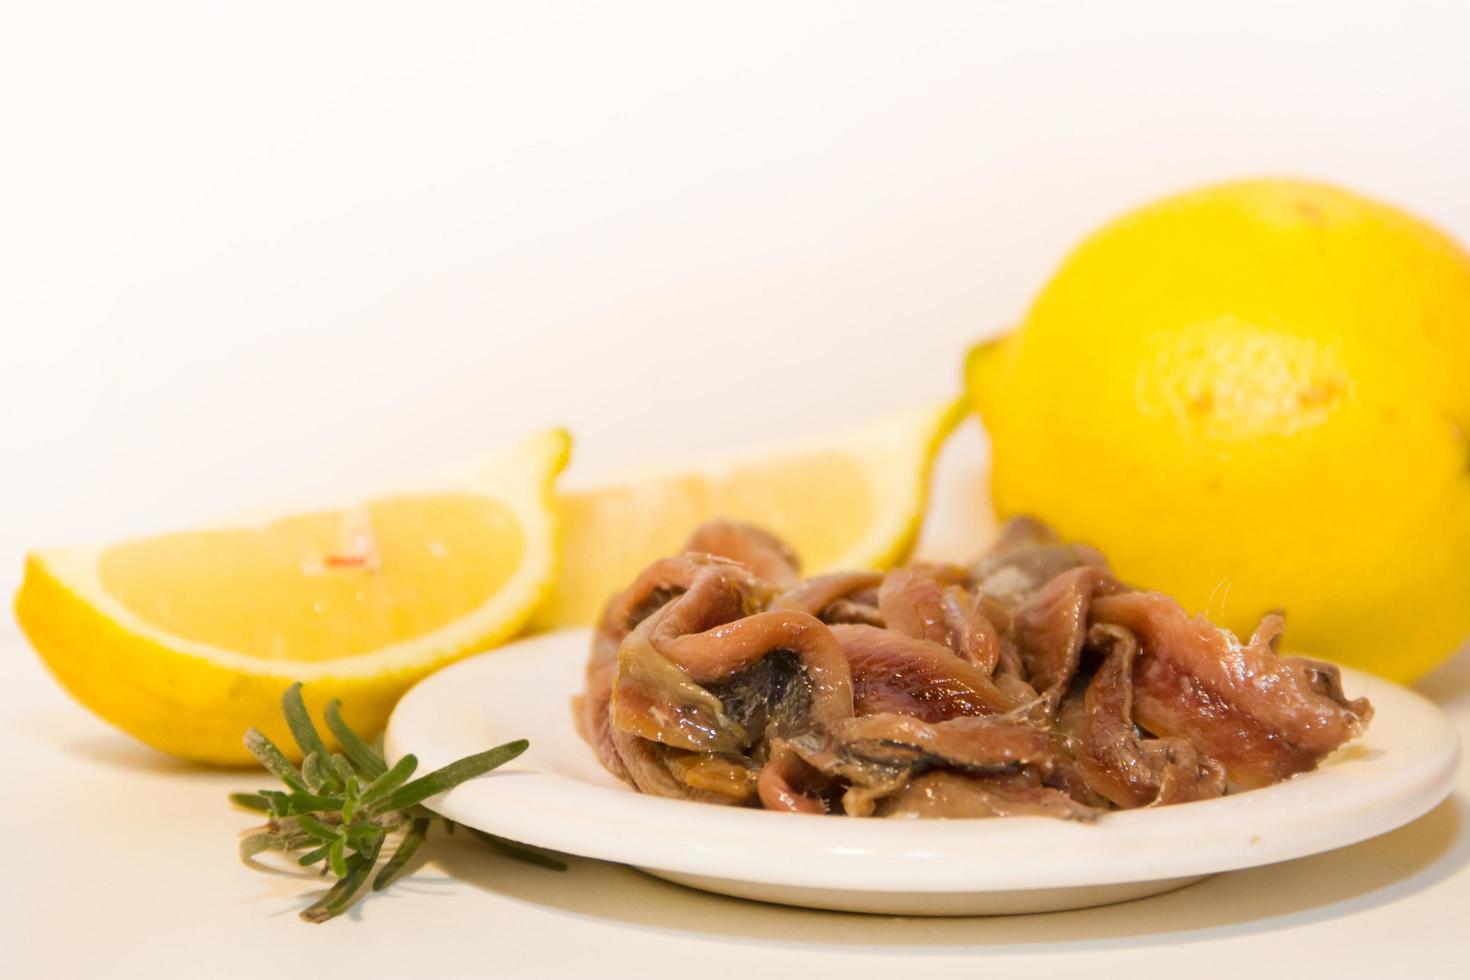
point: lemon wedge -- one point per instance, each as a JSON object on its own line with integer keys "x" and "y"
{"x": 186, "y": 640}
{"x": 853, "y": 500}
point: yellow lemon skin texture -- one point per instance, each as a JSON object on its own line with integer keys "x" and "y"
{"x": 1255, "y": 396}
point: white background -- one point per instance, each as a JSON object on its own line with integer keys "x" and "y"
{"x": 249, "y": 252}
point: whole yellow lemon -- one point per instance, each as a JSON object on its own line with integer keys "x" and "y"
{"x": 1256, "y": 396}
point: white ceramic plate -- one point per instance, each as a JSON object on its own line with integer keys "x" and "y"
{"x": 557, "y": 796}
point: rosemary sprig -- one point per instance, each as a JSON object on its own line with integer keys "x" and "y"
{"x": 340, "y": 809}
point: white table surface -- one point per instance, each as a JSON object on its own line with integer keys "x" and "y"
{"x": 259, "y": 254}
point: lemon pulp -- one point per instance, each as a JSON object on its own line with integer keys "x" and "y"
{"x": 325, "y": 585}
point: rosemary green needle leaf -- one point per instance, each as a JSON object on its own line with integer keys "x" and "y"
{"x": 344, "y": 772}
{"x": 406, "y": 848}
{"x": 389, "y": 780}
{"x": 339, "y": 898}
{"x": 366, "y": 839}
{"x": 364, "y": 756}
{"x": 519, "y": 851}
{"x": 316, "y": 828}
{"x": 450, "y": 776}
{"x": 273, "y": 758}
{"x": 303, "y": 802}
{"x": 372, "y": 856}
{"x": 293, "y": 705}
{"x": 315, "y": 773}
{"x": 279, "y": 803}
{"x": 251, "y": 801}
{"x": 312, "y": 857}
{"x": 258, "y": 844}
{"x": 267, "y": 839}
{"x": 337, "y": 855}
